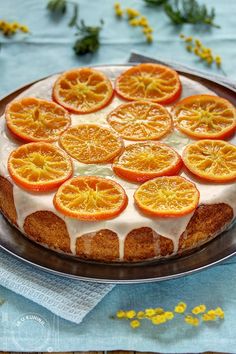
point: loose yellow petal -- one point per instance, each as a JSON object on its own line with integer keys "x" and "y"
{"x": 195, "y": 322}
{"x": 149, "y": 38}
{"x": 191, "y": 320}
{"x": 188, "y": 39}
{"x": 150, "y": 312}
{"x": 189, "y": 48}
{"x": 198, "y": 43}
{"x": 199, "y": 309}
{"x": 24, "y": 29}
{"x": 120, "y": 314}
{"x": 219, "y": 312}
{"x": 134, "y": 22}
{"x": 119, "y": 12}
{"x": 140, "y": 315}
{"x": 143, "y": 21}
{"x": 132, "y": 13}
{"x": 209, "y": 316}
{"x": 196, "y": 51}
{"x": 158, "y": 319}
{"x": 169, "y": 315}
{"x": 209, "y": 60}
{"x": 218, "y": 60}
{"x": 135, "y": 324}
{"x": 130, "y": 314}
{"x": 15, "y": 25}
{"x": 159, "y": 310}
{"x": 117, "y": 5}
{"x": 147, "y": 30}
{"x": 180, "y": 307}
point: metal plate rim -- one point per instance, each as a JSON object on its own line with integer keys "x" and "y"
{"x": 110, "y": 281}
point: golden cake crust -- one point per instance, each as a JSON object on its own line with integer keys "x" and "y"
{"x": 141, "y": 244}
{"x": 99, "y": 246}
{"x": 7, "y": 205}
{"x": 46, "y": 228}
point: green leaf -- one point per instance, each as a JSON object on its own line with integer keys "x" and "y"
{"x": 88, "y": 38}
{"x": 57, "y": 6}
{"x": 155, "y": 2}
{"x": 74, "y": 18}
{"x": 173, "y": 14}
{"x": 87, "y": 44}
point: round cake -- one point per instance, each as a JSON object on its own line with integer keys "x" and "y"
{"x": 133, "y": 228}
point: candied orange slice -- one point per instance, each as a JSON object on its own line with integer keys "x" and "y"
{"x": 83, "y": 90}
{"x": 140, "y": 120}
{"x": 90, "y": 198}
{"x": 143, "y": 161}
{"x": 152, "y": 82}
{"x": 33, "y": 119}
{"x": 205, "y": 117}
{"x": 39, "y": 166}
{"x": 213, "y": 160}
{"x": 91, "y": 143}
{"x": 170, "y": 196}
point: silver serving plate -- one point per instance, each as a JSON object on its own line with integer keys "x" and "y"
{"x": 217, "y": 250}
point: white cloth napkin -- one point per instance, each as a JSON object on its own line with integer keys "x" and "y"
{"x": 67, "y": 298}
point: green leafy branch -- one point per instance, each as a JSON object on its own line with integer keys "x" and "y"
{"x": 189, "y": 11}
{"x": 186, "y": 11}
{"x": 88, "y": 41}
{"x": 87, "y": 36}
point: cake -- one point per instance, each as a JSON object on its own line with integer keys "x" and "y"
{"x": 129, "y": 234}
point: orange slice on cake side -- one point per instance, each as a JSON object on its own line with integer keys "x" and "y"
{"x": 39, "y": 166}
{"x": 170, "y": 196}
{"x": 34, "y": 119}
{"x": 91, "y": 143}
{"x": 90, "y": 198}
{"x": 212, "y": 160}
{"x": 143, "y": 161}
{"x": 140, "y": 120}
{"x": 152, "y": 82}
{"x": 205, "y": 117}
{"x": 83, "y": 90}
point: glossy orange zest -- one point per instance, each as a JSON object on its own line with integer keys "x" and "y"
{"x": 83, "y": 90}
{"x": 34, "y": 119}
{"x": 90, "y": 198}
{"x": 91, "y": 143}
{"x": 140, "y": 120}
{"x": 143, "y": 161}
{"x": 39, "y": 166}
{"x": 167, "y": 197}
{"x": 152, "y": 82}
{"x": 205, "y": 117}
{"x": 213, "y": 160}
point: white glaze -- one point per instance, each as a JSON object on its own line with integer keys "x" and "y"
{"x": 27, "y": 203}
